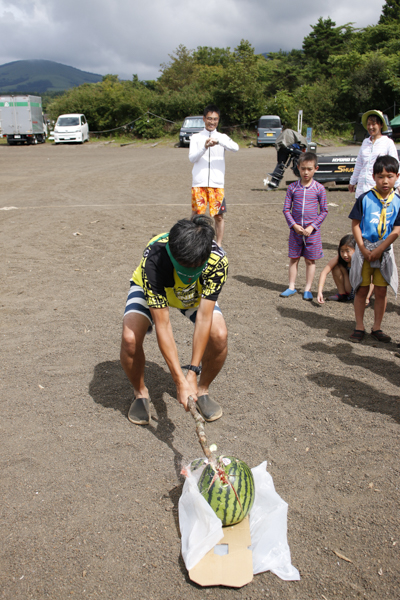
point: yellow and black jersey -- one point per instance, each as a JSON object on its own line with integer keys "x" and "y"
{"x": 161, "y": 285}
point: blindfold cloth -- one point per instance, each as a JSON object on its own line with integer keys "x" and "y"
{"x": 186, "y": 274}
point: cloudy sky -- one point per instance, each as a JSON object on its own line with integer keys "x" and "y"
{"x": 134, "y": 36}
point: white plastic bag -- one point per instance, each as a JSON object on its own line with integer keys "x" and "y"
{"x": 268, "y": 528}
{"x": 201, "y": 529}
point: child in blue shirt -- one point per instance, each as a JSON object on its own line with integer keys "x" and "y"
{"x": 376, "y": 225}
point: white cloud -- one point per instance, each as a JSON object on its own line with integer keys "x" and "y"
{"x": 125, "y": 37}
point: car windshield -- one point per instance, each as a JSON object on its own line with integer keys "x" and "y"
{"x": 68, "y": 121}
{"x": 193, "y": 122}
{"x": 269, "y": 123}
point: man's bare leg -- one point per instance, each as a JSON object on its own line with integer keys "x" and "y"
{"x": 219, "y": 228}
{"x": 132, "y": 358}
{"x": 215, "y": 353}
{"x": 212, "y": 362}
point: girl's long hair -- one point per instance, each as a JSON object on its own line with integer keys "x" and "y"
{"x": 347, "y": 240}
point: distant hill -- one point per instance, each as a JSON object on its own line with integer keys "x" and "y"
{"x": 40, "y": 76}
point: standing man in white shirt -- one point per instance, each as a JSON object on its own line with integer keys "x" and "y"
{"x": 207, "y": 153}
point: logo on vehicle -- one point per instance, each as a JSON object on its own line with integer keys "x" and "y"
{"x": 344, "y": 169}
{"x": 345, "y": 159}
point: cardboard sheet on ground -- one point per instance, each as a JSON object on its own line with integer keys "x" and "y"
{"x": 201, "y": 529}
{"x": 230, "y": 562}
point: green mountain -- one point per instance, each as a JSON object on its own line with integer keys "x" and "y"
{"x": 40, "y": 76}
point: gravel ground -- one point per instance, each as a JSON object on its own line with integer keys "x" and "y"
{"x": 88, "y": 500}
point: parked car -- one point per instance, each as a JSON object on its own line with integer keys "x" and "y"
{"x": 360, "y": 133}
{"x": 190, "y": 126}
{"x": 71, "y": 128}
{"x": 269, "y": 127}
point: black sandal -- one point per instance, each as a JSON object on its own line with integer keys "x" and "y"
{"x": 357, "y": 336}
{"x": 380, "y": 336}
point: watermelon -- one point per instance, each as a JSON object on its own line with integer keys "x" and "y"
{"x": 228, "y": 489}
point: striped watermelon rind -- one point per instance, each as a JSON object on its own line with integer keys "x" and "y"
{"x": 229, "y": 490}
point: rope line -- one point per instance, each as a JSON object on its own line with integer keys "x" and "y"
{"x": 64, "y": 206}
{"x": 148, "y": 112}
{"x": 121, "y": 126}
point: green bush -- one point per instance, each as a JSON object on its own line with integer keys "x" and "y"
{"x": 148, "y": 127}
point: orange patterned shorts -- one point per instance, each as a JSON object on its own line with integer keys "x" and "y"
{"x": 215, "y": 198}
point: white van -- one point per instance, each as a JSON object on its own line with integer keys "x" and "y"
{"x": 71, "y": 128}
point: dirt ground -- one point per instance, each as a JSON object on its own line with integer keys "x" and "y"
{"x": 88, "y": 500}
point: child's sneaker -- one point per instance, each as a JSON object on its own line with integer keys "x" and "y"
{"x": 307, "y": 296}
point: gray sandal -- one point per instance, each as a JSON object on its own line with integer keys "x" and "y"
{"x": 209, "y": 409}
{"x": 139, "y": 412}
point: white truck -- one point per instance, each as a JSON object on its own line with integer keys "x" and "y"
{"x": 22, "y": 119}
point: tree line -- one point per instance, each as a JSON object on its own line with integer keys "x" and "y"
{"x": 339, "y": 72}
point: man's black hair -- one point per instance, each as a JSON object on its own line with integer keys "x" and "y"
{"x": 308, "y": 156}
{"x": 390, "y": 164}
{"x": 190, "y": 240}
{"x": 210, "y": 109}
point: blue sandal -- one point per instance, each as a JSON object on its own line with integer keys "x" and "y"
{"x": 288, "y": 293}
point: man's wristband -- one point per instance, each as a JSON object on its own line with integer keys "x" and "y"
{"x": 197, "y": 370}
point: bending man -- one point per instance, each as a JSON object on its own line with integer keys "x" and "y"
{"x": 184, "y": 269}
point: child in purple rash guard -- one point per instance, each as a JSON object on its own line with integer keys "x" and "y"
{"x": 305, "y": 209}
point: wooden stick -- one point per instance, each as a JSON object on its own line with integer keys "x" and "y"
{"x": 201, "y": 434}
